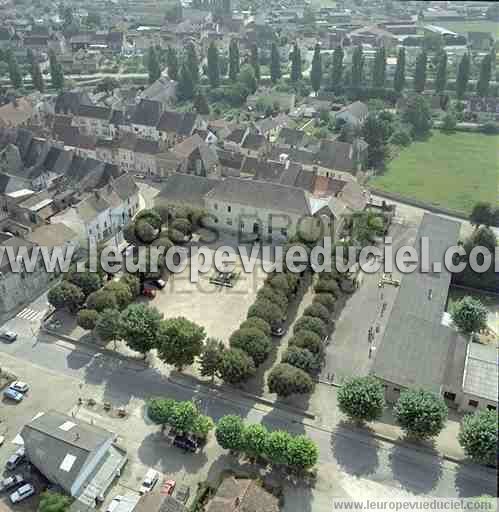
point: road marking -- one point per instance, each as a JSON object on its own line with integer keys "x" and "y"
{"x": 30, "y": 314}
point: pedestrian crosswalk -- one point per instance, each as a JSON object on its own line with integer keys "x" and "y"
{"x": 30, "y": 314}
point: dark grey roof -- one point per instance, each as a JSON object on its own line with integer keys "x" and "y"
{"x": 254, "y": 141}
{"x": 356, "y": 109}
{"x": 23, "y": 141}
{"x": 416, "y": 347}
{"x": 125, "y": 186}
{"x": 236, "y": 135}
{"x": 147, "y": 113}
{"x": 261, "y": 194}
{"x": 69, "y": 102}
{"x": 184, "y": 188}
{"x": 94, "y": 112}
{"x": 291, "y": 137}
{"x": 149, "y": 147}
{"x": 337, "y": 155}
{"x": 181, "y": 123}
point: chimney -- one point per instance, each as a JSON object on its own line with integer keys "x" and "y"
{"x": 286, "y": 165}
{"x": 77, "y": 436}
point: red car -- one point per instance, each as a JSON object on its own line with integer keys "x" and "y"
{"x": 168, "y": 487}
{"x": 149, "y": 293}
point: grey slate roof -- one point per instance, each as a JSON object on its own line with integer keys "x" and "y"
{"x": 94, "y": 112}
{"x": 291, "y": 137}
{"x": 69, "y": 102}
{"x": 416, "y": 347}
{"x": 147, "y": 113}
{"x": 181, "y": 123}
{"x": 125, "y": 186}
{"x": 185, "y": 189}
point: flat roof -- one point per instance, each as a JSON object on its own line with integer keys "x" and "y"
{"x": 481, "y": 375}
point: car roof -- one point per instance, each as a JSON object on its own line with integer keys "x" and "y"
{"x": 151, "y": 473}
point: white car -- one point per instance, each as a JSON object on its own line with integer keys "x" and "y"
{"x": 22, "y": 493}
{"x": 149, "y": 482}
{"x": 114, "y": 504}
{"x": 19, "y": 386}
{"x": 9, "y": 336}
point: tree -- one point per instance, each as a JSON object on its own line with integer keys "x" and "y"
{"x": 54, "y": 502}
{"x": 36, "y": 74}
{"x": 271, "y": 294}
{"x": 379, "y": 71}
{"x": 172, "y": 63}
{"x": 160, "y": 410}
{"x": 420, "y": 413}
{"x": 441, "y": 77}
{"x": 56, "y": 72}
{"x": 362, "y": 398}
{"x": 276, "y": 446}
{"x": 139, "y": 327}
{"x": 482, "y": 87}
{"x": 229, "y": 433}
{"x": 266, "y": 310}
{"x": 337, "y": 71}
{"x": 192, "y": 64}
{"x": 93, "y": 20}
{"x": 310, "y": 323}
{"x": 401, "y": 137}
{"x": 307, "y": 339}
{"x": 236, "y": 366}
{"x": 319, "y": 311}
{"x": 108, "y": 325}
{"x": 258, "y": 323}
{"x": 417, "y": 114}
{"x": 399, "y": 77}
{"x": 302, "y": 453}
{"x": 202, "y": 426}
{"x": 88, "y": 282}
{"x": 185, "y": 86}
{"x": 247, "y": 78}
{"x": 153, "y": 66}
{"x": 469, "y": 315}
{"x": 16, "y": 78}
{"x": 481, "y": 214}
{"x": 286, "y": 380}
{"x": 463, "y": 76}
{"x": 357, "y": 67}
{"x": 233, "y": 60}
{"x": 281, "y": 284}
{"x": 328, "y": 300}
{"x": 254, "y": 342}
{"x": 449, "y": 123}
{"x": 316, "y": 71}
{"x": 213, "y": 66}
{"x": 255, "y": 61}
{"x": 66, "y": 295}
{"x": 254, "y": 440}
{"x": 201, "y": 104}
{"x": 374, "y": 135}
{"x": 301, "y": 358}
{"x": 296, "y": 73}
{"x": 133, "y": 283}
{"x": 275, "y": 64}
{"x": 101, "y": 300}
{"x": 211, "y": 357}
{"x": 420, "y": 72}
{"x": 180, "y": 341}
{"x": 183, "y": 416}
{"x": 478, "y": 437}
{"x": 87, "y": 319}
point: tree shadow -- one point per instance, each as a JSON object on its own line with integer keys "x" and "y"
{"x": 474, "y": 480}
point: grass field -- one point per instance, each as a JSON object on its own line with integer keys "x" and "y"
{"x": 453, "y": 171}
{"x": 461, "y": 27}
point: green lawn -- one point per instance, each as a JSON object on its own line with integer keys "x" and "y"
{"x": 461, "y": 27}
{"x": 452, "y": 171}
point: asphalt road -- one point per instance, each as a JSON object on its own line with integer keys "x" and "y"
{"x": 358, "y": 464}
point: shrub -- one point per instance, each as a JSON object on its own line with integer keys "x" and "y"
{"x": 328, "y": 300}
{"x": 276, "y": 446}
{"x": 254, "y": 342}
{"x": 229, "y": 432}
{"x": 266, "y": 310}
{"x": 176, "y": 236}
{"x": 88, "y": 282}
{"x": 318, "y": 311}
{"x": 66, "y": 295}
{"x": 254, "y": 440}
{"x": 325, "y": 285}
{"x": 302, "y": 453}
{"x": 236, "y": 366}
{"x": 310, "y": 323}
{"x": 133, "y": 284}
{"x": 307, "y": 339}
{"x": 301, "y": 358}
{"x": 258, "y": 323}
{"x": 122, "y": 292}
{"x": 401, "y": 138}
{"x": 449, "y": 123}
{"x": 362, "y": 398}
{"x": 160, "y": 410}
{"x": 182, "y": 225}
{"x": 87, "y": 318}
{"x": 286, "y": 380}
{"x": 478, "y": 436}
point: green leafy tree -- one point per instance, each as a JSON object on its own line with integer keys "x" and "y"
{"x": 180, "y": 341}
{"x": 417, "y": 114}
{"x": 102, "y": 299}
{"x": 88, "y": 282}
{"x": 302, "y": 453}
{"x": 301, "y": 358}
{"x": 234, "y": 61}
{"x": 307, "y": 339}
{"x": 357, "y": 67}
{"x": 108, "y": 326}
{"x": 266, "y": 310}
{"x": 481, "y": 214}
{"x": 483, "y": 85}
{"x": 153, "y": 66}
{"x": 296, "y": 72}
{"x": 87, "y": 318}
{"x": 379, "y": 71}
{"x": 140, "y": 325}
{"x": 421, "y": 414}
{"x": 254, "y": 440}
{"x": 160, "y": 410}
{"x": 213, "y": 66}
{"x": 185, "y": 86}
{"x": 316, "y": 71}
{"x": 328, "y": 300}
{"x": 172, "y": 63}
{"x": 229, "y": 433}
{"x": 319, "y": 311}
{"x": 463, "y": 76}
{"x": 281, "y": 284}
{"x": 66, "y": 295}
{"x": 254, "y": 342}
{"x": 15, "y": 75}
{"x": 56, "y": 72}
{"x": 54, "y": 502}
{"x": 478, "y": 437}
{"x": 276, "y": 447}
{"x": 373, "y": 133}
{"x": 286, "y": 380}
{"x": 255, "y": 61}
{"x": 420, "y": 72}
{"x": 441, "y": 77}
{"x": 211, "y": 357}
{"x": 36, "y": 74}
{"x": 122, "y": 293}
{"x": 184, "y": 416}
{"x": 310, "y": 323}
{"x": 192, "y": 64}
{"x": 257, "y": 323}
{"x": 362, "y": 398}
{"x": 336, "y": 78}
{"x": 399, "y": 77}
{"x": 469, "y": 315}
{"x": 273, "y": 295}
{"x": 236, "y": 366}
{"x": 247, "y": 78}
{"x": 202, "y": 426}
{"x": 133, "y": 283}
{"x": 401, "y": 137}
{"x": 275, "y": 64}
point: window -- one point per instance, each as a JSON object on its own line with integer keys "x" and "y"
{"x": 450, "y": 396}
{"x": 270, "y": 230}
{"x": 284, "y": 232}
{"x": 215, "y": 206}
{"x": 396, "y": 390}
{"x": 241, "y": 226}
{"x": 229, "y": 221}
{"x": 491, "y": 407}
{"x": 229, "y": 209}
{"x": 473, "y": 403}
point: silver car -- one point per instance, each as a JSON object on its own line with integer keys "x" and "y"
{"x": 9, "y": 336}
{"x": 22, "y": 493}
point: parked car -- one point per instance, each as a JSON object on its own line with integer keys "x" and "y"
{"x": 11, "y": 481}
{"x": 19, "y": 386}
{"x": 150, "y": 293}
{"x": 278, "y": 330}
{"x": 9, "y": 336}
{"x": 183, "y": 493}
{"x": 150, "y": 480}
{"x": 157, "y": 283}
{"x": 115, "y": 503}
{"x": 168, "y": 487}
{"x": 14, "y": 460}
{"x": 12, "y": 394}
{"x": 22, "y": 493}
{"x": 185, "y": 443}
